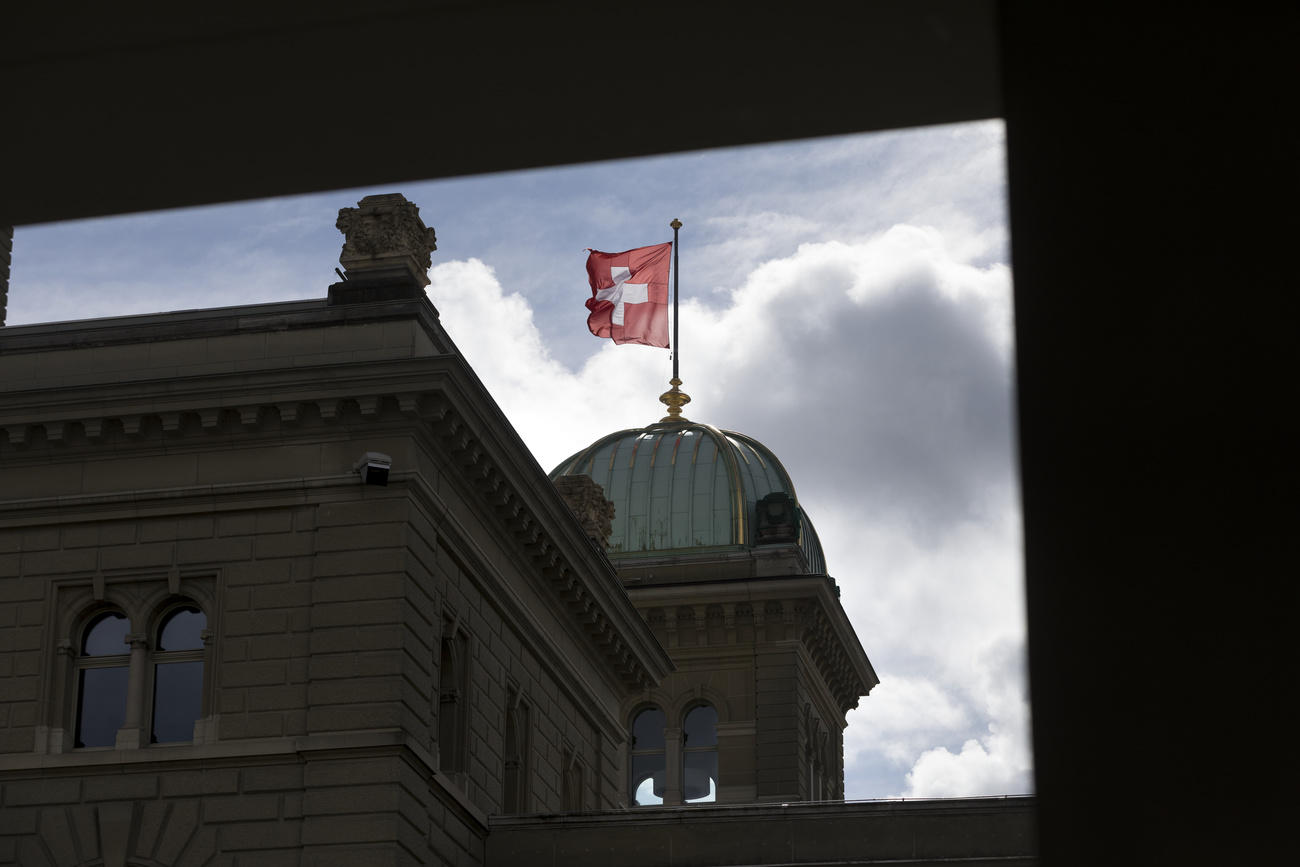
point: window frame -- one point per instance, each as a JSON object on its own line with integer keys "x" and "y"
{"x": 140, "y": 660}
{"x": 453, "y": 721}
{"x": 573, "y": 782}
{"x": 516, "y": 753}
{"x": 82, "y": 662}
{"x": 633, "y": 753}
{"x": 686, "y": 750}
{"x": 156, "y": 657}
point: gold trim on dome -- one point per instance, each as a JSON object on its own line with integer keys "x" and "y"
{"x": 674, "y": 399}
{"x": 726, "y": 453}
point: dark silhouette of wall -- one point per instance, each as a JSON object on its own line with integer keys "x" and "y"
{"x": 6, "y": 251}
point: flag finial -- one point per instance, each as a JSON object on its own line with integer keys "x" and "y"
{"x": 674, "y": 399}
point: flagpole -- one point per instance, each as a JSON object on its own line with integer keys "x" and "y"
{"x": 675, "y": 398}
{"x": 677, "y": 291}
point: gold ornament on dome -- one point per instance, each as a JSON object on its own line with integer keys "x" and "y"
{"x": 674, "y": 399}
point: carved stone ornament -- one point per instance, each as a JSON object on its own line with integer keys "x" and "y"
{"x": 778, "y": 519}
{"x": 674, "y": 399}
{"x": 385, "y": 232}
{"x": 587, "y": 501}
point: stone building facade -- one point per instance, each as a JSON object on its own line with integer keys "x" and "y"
{"x": 279, "y": 584}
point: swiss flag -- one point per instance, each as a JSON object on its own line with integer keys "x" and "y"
{"x": 629, "y": 295}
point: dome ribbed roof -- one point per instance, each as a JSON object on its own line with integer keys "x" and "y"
{"x": 682, "y": 485}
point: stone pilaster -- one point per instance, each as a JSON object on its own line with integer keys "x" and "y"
{"x": 131, "y": 735}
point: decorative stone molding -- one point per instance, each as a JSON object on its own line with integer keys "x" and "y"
{"x": 802, "y": 616}
{"x": 545, "y": 551}
{"x": 385, "y": 237}
{"x": 562, "y": 565}
{"x": 778, "y": 519}
{"x": 818, "y": 635}
{"x": 587, "y": 501}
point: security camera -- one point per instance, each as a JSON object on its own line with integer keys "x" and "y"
{"x": 373, "y": 468}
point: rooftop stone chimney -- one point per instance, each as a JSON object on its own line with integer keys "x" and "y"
{"x": 386, "y": 249}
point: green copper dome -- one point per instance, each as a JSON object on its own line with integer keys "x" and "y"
{"x": 678, "y": 486}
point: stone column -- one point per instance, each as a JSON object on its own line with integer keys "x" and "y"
{"x": 776, "y": 691}
{"x": 673, "y": 771}
{"x": 131, "y": 734}
{"x": 59, "y": 722}
{"x": 736, "y": 748}
{"x": 205, "y": 727}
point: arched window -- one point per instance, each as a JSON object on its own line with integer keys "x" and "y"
{"x": 178, "y": 675}
{"x": 103, "y": 669}
{"x": 453, "y": 706}
{"x": 700, "y": 755}
{"x": 648, "y": 759}
{"x": 516, "y": 756}
{"x": 573, "y": 789}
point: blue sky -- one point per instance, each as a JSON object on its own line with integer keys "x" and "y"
{"x": 847, "y": 301}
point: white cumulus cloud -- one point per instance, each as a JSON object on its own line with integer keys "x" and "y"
{"x": 879, "y": 372}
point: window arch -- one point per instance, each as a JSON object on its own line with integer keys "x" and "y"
{"x": 177, "y": 666}
{"x": 573, "y": 788}
{"x": 649, "y": 761}
{"x": 516, "y": 754}
{"x": 103, "y": 677}
{"x": 453, "y": 704}
{"x": 700, "y": 755}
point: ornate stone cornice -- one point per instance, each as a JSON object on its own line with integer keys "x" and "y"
{"x": 761, "y": 610}
{"x": 551, "y": 539}
{"x": 435, "y": 392}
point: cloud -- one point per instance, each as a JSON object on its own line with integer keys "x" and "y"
{"x": 909, "y": 350}
{"x": 879, "y": 372}
{"x": 999, "y": 769}
{"x": 997, "y": 761}
{"x": 906, "y": 714}
{"x": 910, "y": 727}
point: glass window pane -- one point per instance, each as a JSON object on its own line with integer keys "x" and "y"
{"x": 106, "y": 636}
{"x": 700, "y": 783}
{"x": 701, "y": 727}
{"x": 647, "y": 780}
{"x": 101, "y": 705}
{"x": 180, "y": 631}
{"x": 648, "y": 730}
{"x": 177, "y": 700}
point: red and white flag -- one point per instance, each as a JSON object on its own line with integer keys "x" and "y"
{"x": 629, "y": 295}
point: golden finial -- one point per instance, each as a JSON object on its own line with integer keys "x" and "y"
{"x": 674, "y": 399}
